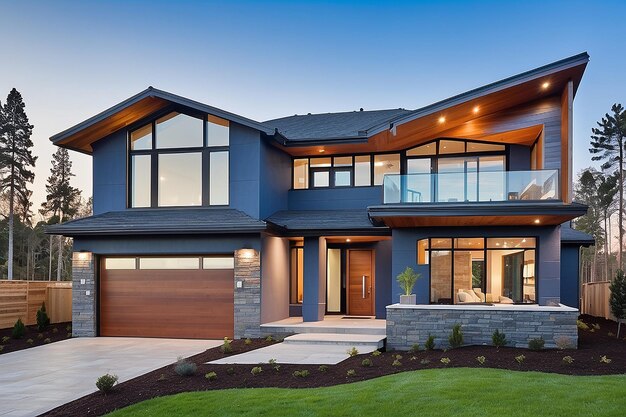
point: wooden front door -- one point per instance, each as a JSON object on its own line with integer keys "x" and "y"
{"x": 361, "y": 282}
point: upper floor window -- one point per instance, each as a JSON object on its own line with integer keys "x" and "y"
{"x": 179, "y": 160}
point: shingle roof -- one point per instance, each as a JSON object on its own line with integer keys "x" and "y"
{"x": 160, "y": 221}
{"x": 569, "y": 235}
{"x": 324, "y": 220}
{"x": 326, "y": 126}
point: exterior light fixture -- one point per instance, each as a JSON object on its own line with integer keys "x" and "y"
{"x": 545, "y": 85}
{"x": 442, "y": 119}
{"x": 476, "y": 109}
{"x": 347, "y": 240}
{"x": 537, "y": 221}
{"x": 321, "y": 151}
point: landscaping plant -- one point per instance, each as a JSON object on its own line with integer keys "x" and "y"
{"x": 481, "y": 360}
{"x": 445, "y": 361}
{"x": 106, "y": 382}
{"x": 498, "y": 339}
{"x": 376, "y": 353}
{"x": 366, "y": 363}
{"x": 407, "y": 280}
{"x": 415, "y": 348}
{"x": 396, "y": 362}
{"x": 5, "y": 339}
{"x": 256, "y": 370}
{"x": 351, "y": 372}
{"x": 604, "y": 359}
{"x": 323, "y": 368}
{"x": 617, "y": 300}
{"x": 226, "y": 346}
{"x": 564, "y": 342}
{"x": 43, "y": 321}
{"x": 210, "y": 376}
{"x": 18, "y": 329}
{"x": 248, "y": 342}
{"x": 456, "y": 337}
{"x": 352, "y": 351}
{"x": 301, "y": 374}
{"x": 184, "y": 367}
{"x": 520, "y": 359}
{"x": 536, "y": 344}
{"x": 568, "y": 359}
{"x": 430, "y": 343}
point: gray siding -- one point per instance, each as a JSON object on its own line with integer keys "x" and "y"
{"x": 109, "y": 173}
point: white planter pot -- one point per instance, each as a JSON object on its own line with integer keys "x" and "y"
{"x": 408, "y": 299}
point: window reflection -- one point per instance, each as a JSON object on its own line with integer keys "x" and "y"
{"x": 177, "y": 130}
{"x": 180, "y": 179}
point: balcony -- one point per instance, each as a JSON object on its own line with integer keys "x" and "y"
{"x": 472, "y": 187}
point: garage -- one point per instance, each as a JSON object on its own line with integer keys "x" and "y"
{"x": 189, "y": 297}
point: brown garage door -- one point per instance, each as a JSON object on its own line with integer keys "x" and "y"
{"x": 189, "y": 297}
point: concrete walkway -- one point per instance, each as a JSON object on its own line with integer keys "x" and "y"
{"x": 35, "y": 380}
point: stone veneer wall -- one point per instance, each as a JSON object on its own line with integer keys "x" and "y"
{"x": 83, "y": 295}
{"x": 410, "y": 324}
{"x": 248, "y": 297}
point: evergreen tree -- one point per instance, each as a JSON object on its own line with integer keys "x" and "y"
{"x": 16, "y": 160}
{"x": 608, "y": 144}
{"x": 63, "y": 200}
{"x": 586, "y": 192}
{"x": 607, "y": 189}
{"x": 617, "y": 299}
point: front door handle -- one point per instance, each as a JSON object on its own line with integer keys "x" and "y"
{"x": 363, "y": 286}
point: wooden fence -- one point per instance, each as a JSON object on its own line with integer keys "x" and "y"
{"x": 595, "y": 299}
{"x": 22, "y": 299}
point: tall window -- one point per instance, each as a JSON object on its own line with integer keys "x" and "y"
{"x": 296, "y": 275}
{"x": 480, "y": 270}
{"x": 178, "y": 161}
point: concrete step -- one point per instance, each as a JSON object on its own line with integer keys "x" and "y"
{"x": 370, "y": 341}
{"x": 303, "y": 329}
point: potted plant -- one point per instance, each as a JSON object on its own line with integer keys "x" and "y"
{"x": 407, "y": 280}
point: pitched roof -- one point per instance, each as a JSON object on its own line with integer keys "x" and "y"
{"x": 160, "y": 221}
{"x": 573, "y": 236}
{"x": 325, "y": 220}
{"x": 328, "y": 126}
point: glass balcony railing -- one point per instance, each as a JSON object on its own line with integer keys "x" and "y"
{"x": 460, "y": 187}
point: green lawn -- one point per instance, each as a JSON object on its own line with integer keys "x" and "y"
{"x": 448, "y": 392}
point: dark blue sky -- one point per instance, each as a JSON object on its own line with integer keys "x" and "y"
{"x": 264, "y": 60}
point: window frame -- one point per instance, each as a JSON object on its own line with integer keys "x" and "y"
{"x": 154, "y": 153}
{"x": 485, "y": 250}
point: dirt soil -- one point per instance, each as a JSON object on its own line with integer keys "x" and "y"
{"x": 594, "y": 343}
{"x": 33, "y": 337}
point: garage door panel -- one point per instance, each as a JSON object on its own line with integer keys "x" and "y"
{"x": 167, "y": 303}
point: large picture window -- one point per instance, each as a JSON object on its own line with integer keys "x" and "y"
{"x": 179, "y": 160}
{"x": 480, "y": 270}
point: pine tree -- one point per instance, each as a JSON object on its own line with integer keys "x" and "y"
{"x": 63, "y": 200}
{"x": 16, "y": 160}
{"x": 586, "y": 192}
{"x": 617, "y": 299}
{"x": 608, "y": 144}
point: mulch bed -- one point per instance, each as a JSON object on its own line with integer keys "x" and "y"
{"x": 593, "y": 344}
{"x": 33, "y": 337}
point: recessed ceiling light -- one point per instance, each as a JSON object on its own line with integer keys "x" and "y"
{"x": 545, "y": 85}
{"x": 524, "y": 240}
{"x": 347, "y": 240}
{"x": 537, "y": 221}
{"x": 476, "y": 109}
{"x": 379, "y": 164}
{"x": 442, "y": 119}
{"x": 321, "y": 151}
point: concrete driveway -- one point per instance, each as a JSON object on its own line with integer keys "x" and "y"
{"x": 36, "y": 380}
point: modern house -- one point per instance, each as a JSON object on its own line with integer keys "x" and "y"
{"x": 208, "y": 224}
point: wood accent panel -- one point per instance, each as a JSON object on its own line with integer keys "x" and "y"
{"x": 356, "y": 239}
{"x": 194, "y": 304}
{"x": 567, "y": 142}
{"x": 22, "y": 299}
{"x": 595, "y": 299}
{"x": 509, "y": 220}
{"x": 143, "y": 108}
{"x": 360, "y": 263}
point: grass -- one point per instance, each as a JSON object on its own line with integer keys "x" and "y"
{"x": 450, "y": 392}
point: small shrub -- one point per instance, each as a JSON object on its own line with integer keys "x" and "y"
{"x": 1, "y": 348}
{"x": 396, "y": 362}
{"x": 18, "y": 329}
{"x": 161, "y": 377}
{"x": 596, "y": 326}
{"x": 248, "y": 341}
{"x": 498, "y": 339}
{"x": 481, "y": 360}
{"x": 568, "y": 359}
{"x": 604, "y": 359}
{"x": 55, "y": 330}
{"x": 227, "y": 346}
{"x": 425, "y": 361}
{"x": 351, "y": 372}
{"x": 5, "y": 339}
{"x": 520, "y": 359}
{"x": 43, "y": 321}
{"x": 413, "y": 358}
{"x": 536, "y": 344}
{"x": 256, "y": 370}
{"x": 407, "y": 280}
{"x": 445, "y": 361}
{"x": 269, "y": 338}
{"x": 323, "y": 368}
{"x": 106, "y": 383}
{"x": 272, "y": 362}
{"x": 184, "y": 367}
{"x": 210, "y": 376}
{"x": 415, "y": 348}
{"x": 366, "y": 363}
{"x": 376, "y": 353}
{"x": 456, "y": 337}
{"x": 39, "y": 336}
{"x": 430, "y": 343}
{"x": 30, "y": 341}
{"x": 564, "y": 342}
{"x": 352, "y": 351}
{"x": 301, "y": 374}
{"x": 69, "y": 335}
{"x": 610, "y": 334}
{"x": 47, "y": 340}
{"x": 68, "y": 328}
{"x": 582, "y": 325}
{"x": 230, "y": 371}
